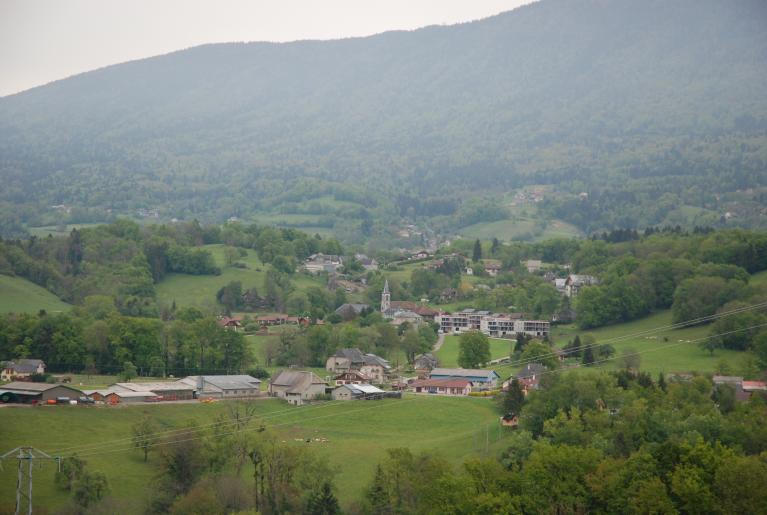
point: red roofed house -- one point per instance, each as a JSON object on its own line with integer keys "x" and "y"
{"x": 442, "y": 386}
{"x": 230, "y": 322}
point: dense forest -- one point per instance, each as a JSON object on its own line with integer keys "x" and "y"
{"x": 638, "y": 123}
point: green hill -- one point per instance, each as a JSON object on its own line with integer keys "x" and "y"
{"x": 18, "y": 295}
{"x": 608, "y": 98}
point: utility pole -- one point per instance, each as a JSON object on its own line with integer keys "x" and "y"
{"x": 24, "y": 479}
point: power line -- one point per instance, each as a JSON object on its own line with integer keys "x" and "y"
{"x": 569, "y": 369}
{"x": 615, "y": 339}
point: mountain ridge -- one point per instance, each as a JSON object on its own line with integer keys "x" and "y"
{"x": 589, "y": 91}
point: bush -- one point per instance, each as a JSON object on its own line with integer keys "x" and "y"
{"x": 260, "y": 373}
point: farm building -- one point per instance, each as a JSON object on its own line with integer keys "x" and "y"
{"x": 296, "y": 386}
{"x": 370, "y": 365}
{"x": 351, "y": 377}
{"x": 224, "y": 387}
{"x": 25, "y": 393}
{"x": 484, "y": 379}
{"x": 168, "y": 390}
{"x": 349, "y": 392}
{"x": 127, "y": 396}
{"x": 97, "y": 395}
{"x": 449, "y": 386}
{"x": 234, "y": 323}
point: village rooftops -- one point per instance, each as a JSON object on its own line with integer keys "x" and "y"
{"x": 531, "y": 370}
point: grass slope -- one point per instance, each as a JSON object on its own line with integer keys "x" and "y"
{"x": 200, "y": 290}
{"x": 358, "y": 435}
{"x": 22, "y": 296}
{"x": 448, "y": 353}
{"x": 668, "y": 350}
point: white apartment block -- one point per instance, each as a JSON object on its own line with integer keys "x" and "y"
{"x": 497, "y": 325}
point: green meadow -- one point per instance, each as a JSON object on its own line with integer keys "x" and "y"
{"x": 200, "y": 290}
{"x": 19, "y": 295}
{"x": 448, "y": 353}
{"x": 355, "y": 433}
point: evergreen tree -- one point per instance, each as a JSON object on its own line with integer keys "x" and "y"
{"x": 514, "y": 398}
{"x": 377, "y": 496}
{"x": 662, "y": 381}
{"x": 588, "y": 356}
{"x": 521, "y": 342}
{"x": 477, "y": 255}
{"x": 323, "y": 501}
{"x": 495, "y": 246}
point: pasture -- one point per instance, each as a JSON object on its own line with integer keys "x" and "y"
{"x": 356, "y": 436}
{"x": 200, "y": 290}
{"x": 448, "y": 353}
{"x": 18, "y": 295}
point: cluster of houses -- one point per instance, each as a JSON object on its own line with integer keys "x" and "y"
{"x": 331, "y": 263}
{"x": 236, "y": 323}
{"x": 743, "y": 389}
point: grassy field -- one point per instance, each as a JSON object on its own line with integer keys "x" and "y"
{"x": 19, "y": 295}
{"x": 200, "y": 290}
{"x": 668, "y": 350}
{"x": 448, "y": 353}
{"x": 357, "y": 434}
{"x": 55, "y": 231}
{"x": 519, "y": 228}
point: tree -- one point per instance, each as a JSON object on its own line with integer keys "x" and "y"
{"x": 630, "y": 360}
{"x": 536, "y": 352}
{"x": 230, "y": 295}
{"x": 323, "y": 501}
{"x": 71, "y": 470}
{"x": 128, "y": 372}
{"x": 588, "y": 356}
{"x": 90, "y": 488}
{"x": 477, "y": 254}
{"x": 495, "y": 246}
{"x": 513, "y": 399}
{"x": 474, "y": 349}
{"x": 143, "y": 433}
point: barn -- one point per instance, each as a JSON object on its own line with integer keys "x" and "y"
{"x": 27, "y": 393}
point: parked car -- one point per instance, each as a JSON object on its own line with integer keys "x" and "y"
{"x": 85, "y": 400}
{"x": 62, "y": 400}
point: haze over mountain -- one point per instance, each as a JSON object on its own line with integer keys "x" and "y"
{"x": 649, "y": 107}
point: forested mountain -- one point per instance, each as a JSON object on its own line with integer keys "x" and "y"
{"x": 647, "y": 106}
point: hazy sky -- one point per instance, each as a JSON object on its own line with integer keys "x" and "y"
{"x": 45, "y": 40}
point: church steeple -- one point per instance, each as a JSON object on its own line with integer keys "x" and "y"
{"x": 385, "y": 297}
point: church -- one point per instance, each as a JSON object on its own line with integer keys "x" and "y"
{"x": 402, "y": 311}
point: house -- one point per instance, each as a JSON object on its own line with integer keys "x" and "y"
{"x": 350, "y": 392}
{"x": 560, "y": 285}
{"x": 351, "y": 377}
{"x": 533, "y": 265}
{"x": 469, "y": 270}
{"x": 575, "y": 282}
{"x": 223, "y": 386}
{"x": 366, "y": 262}
{"x": 35, "y": 393}
{"x": 234, "y": 323}
{"x": 446, "y": 386}
{"x": 529, "y": 377}
{"x": 370, "y": 365}
{"x": 317, "y": 263}
{"x": 168, "y": 390}
{"x": 492, "y": 269}
{"x": 21, "y": 368}
{"x": 421, "y": 254}
{"x": 274, "y": 319}
{"x": 744, "y": 390}
{"x": 482, "y": 379}
{"x": 350, "y": 311}
{"x": 510, "y": 420}
{"x": 296, "y": 387}
{"x": 425, "y": 363}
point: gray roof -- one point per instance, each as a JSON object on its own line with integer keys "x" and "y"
{"x": 372, "y": 359}
{"x": 358, "y": 308}
{"x": 464, "y": 372}
{"x": 160, "y": 386}
{"x": 232, "y": 382}
{"x": 298, "y": 381}
{"x": 361, "y": 389}
{"x": 530, "y": 370}
{"x": 25, "y": 366}
{"x": 34, "y": 387}
{"x": 353, "y": 355}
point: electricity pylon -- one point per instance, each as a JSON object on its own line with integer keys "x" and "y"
{"x": 24, "y": 480}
